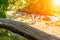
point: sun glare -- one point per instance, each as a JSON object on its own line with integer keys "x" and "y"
{"x": 56, "y": 6}
{"x": 56, "y": 2}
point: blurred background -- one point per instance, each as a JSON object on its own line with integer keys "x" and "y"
{"x": 41, "y": 14}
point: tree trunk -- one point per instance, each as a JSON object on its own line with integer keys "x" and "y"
{"x": 25, "y": 30}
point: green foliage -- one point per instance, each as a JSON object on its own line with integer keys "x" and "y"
{"x": 7, "y": 35}
{"x": 17, "y": 4}
{"x": 12, "y": 5}
{"x": 3, "y": 8}
{"x": 2, "y": 15}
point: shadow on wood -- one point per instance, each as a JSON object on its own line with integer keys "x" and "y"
{"x": 25, "y": 30}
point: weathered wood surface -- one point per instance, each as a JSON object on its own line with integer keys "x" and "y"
{"x": 25, "y": 30}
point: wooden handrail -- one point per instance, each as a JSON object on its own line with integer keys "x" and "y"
{"x": 25, "y": 30}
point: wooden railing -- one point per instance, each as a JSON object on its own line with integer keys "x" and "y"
{"x": 27, "y": 31}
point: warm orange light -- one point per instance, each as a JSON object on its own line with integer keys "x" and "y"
{"x": 44, "y": 7}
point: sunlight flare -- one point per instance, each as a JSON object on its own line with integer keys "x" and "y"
{"x": 56, "y": 2}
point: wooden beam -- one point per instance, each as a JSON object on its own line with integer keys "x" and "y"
{"x": 25, "y": 30}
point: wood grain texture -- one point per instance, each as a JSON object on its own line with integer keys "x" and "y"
{"x": 25, "y": 30}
